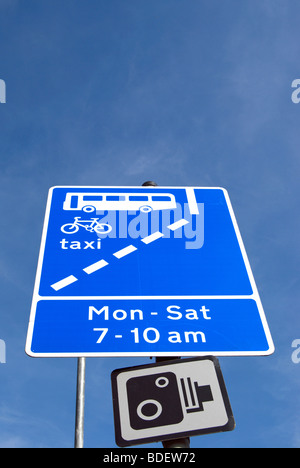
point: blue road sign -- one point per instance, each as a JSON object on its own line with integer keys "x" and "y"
{"x": 144, "y": 271}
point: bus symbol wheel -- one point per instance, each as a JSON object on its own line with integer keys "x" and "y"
{"x": 145, "y": 209}
{"x": 88, "y": 208}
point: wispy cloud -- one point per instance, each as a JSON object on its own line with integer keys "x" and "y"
{"x": 22, "y": 430}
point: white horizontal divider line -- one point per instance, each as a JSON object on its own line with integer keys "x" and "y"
{"x": 64, "y": 282}
{"x": 127, "y": 250}
{"x": 95, "y": 266}
{"x": 178, "y": 224}
{"x": 156, "y": 235}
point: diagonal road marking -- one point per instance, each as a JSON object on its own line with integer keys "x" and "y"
{"x": 156, "y": 235}
{"x": 95, "y": 266}
{"x": 64, "y": 282}
{"x": 127, "y": 250}
{"x": 119, "y": 254}
{"x": 178, "y": 224}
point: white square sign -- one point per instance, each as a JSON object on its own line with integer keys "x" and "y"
{"x": 169, "y": 400}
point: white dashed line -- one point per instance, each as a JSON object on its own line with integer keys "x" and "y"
{"x": 178, "y": 224}
{"x": 95, "y": 266}
{"x": 64, "y": 282}
{"x": 152, "y": 237}
{"x": 119, "y": 254}
{"x": 127, "y": 250}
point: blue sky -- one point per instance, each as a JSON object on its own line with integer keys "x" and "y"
{"x": 194, "y": 93}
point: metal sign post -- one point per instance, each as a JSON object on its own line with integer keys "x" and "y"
{"x": 80, "y": 396}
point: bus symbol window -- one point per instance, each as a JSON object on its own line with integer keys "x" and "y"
{"x": 89, "y": 202}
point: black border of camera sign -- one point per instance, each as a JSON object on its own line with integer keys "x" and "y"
{"x": 229, "y": 426}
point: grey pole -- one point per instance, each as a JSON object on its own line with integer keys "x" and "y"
{"x": 79, "y": 422}
{"x": 184, "y": 442}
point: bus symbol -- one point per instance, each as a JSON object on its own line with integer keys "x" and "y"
{"x": 89, "y": 202}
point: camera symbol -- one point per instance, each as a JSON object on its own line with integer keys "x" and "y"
{"x": 154, "y": 400}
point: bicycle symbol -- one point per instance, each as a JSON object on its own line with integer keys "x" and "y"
{"x": 93, "y": 225}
